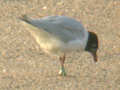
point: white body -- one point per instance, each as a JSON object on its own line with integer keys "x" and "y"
{"x": 58, "y": 34}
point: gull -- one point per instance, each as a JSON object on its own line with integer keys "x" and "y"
{"x": 60, "y": 35}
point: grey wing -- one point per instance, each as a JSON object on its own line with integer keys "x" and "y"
{"x": 72, "y": 25}
{"x": 60, "y": 27}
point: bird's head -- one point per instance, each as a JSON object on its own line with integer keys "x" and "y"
{"x": 92, "y": 45}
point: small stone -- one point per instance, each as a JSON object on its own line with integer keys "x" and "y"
{"x": 44, "y": 8}
{"x": 4, "y": 70}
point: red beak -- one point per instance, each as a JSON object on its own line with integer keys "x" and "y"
{"x": 95, "y": 56}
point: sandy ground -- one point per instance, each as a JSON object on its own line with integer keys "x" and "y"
{"x": 23, "y": 66}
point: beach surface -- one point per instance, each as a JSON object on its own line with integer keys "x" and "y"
{"x": 24, "y": 66}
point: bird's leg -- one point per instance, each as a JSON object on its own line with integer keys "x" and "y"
{"x": 62, "y": 70}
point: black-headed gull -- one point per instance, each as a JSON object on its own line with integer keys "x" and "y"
{"x": 60, "y": 35}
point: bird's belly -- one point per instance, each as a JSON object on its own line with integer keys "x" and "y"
{"x": 56, "y": 46}
{"x": 52, "y": 46}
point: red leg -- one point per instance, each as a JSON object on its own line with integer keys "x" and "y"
{"x": 62, "y": 60}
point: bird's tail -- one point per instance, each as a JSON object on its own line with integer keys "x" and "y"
{"x": 34, "y": 30}
{"x": 25, "y": 18}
